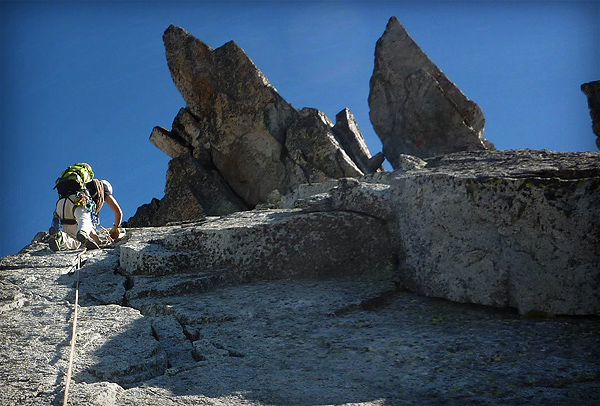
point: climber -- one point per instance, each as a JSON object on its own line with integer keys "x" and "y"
{"x": 80, "y": 199}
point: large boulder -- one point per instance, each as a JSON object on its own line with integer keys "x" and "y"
{"x": 508, "y": 229}
{"x": 415, "y": 109}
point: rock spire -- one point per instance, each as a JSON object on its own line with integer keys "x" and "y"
{"x": 415, "y": 108}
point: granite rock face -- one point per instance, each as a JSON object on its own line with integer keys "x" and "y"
{"x": 438, "y": 283}
{"x": 283, "y": 307}
{"x": 511, "y": 228}
{"x": 515, "y": 229}
{"x": 592, "y": 91}
{"x": 506, "y": 229}
{"x": 415, "y": 108}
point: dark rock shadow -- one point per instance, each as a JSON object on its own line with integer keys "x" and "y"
{"x": 299, "y": 342}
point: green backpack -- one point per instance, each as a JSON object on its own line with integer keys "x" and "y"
{"x": 74, "y": 179}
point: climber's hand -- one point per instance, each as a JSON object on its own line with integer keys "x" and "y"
{"x": 114, "y": 233}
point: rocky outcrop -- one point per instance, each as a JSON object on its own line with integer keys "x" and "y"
{"x": 237, "y": 127}
{"x": 592, "y": 91}
{"x": 248, "y": 146}
{"x": 415, "y": 108}
{"x": 505, "y": 229}
{"x": 307, "y": 305}
{"x": 191, "y": 192}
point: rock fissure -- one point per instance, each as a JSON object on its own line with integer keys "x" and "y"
{"x": 372, "y": 303}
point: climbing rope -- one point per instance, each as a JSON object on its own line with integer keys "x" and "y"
{"x": 75, "y": 267}
{"x": 109, "y": 239}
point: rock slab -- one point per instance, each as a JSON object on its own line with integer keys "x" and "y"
{"x": 512, "y": 229}
{"x": 266, "y": 244}
{"x": 337, "y": 341}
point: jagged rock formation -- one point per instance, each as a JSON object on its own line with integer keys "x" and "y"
{"x": 237, "y": 127}
{"x": 308, "y": 304}
{"x": 415, "y": 109}
{"x": 592, "y": 91}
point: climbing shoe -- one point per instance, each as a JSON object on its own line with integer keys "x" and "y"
{"x": 84, "y": 238}
{"x": 53, "y": 231}
{"x": 55, "y": 239}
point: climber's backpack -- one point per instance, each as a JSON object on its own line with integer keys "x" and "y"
{"x": 74, "y": 179}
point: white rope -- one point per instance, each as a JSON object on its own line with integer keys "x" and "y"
{"x": 109, "y": 239}
{"x": 77, "y": 267}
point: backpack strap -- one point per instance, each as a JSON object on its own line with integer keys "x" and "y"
{"x": 64, "y": 220}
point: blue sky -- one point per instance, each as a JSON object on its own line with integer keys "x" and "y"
{"x": 87, "y": 81}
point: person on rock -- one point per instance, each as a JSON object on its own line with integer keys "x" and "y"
{"x": 80, "y": 199}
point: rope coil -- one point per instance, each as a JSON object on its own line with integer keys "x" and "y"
{"x": 76, "y": 267}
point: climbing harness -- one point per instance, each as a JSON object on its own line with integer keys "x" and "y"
{"x": 75, "y": 268}
{"x": 84, "y": 200}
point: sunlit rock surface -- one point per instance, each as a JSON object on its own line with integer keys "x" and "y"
{"x": 466, "y": 278}
{"x": 312, "y": 305}
{"x": 311, "y": 341}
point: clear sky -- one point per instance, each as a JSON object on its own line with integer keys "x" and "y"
{"x": 87, "y": 81}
